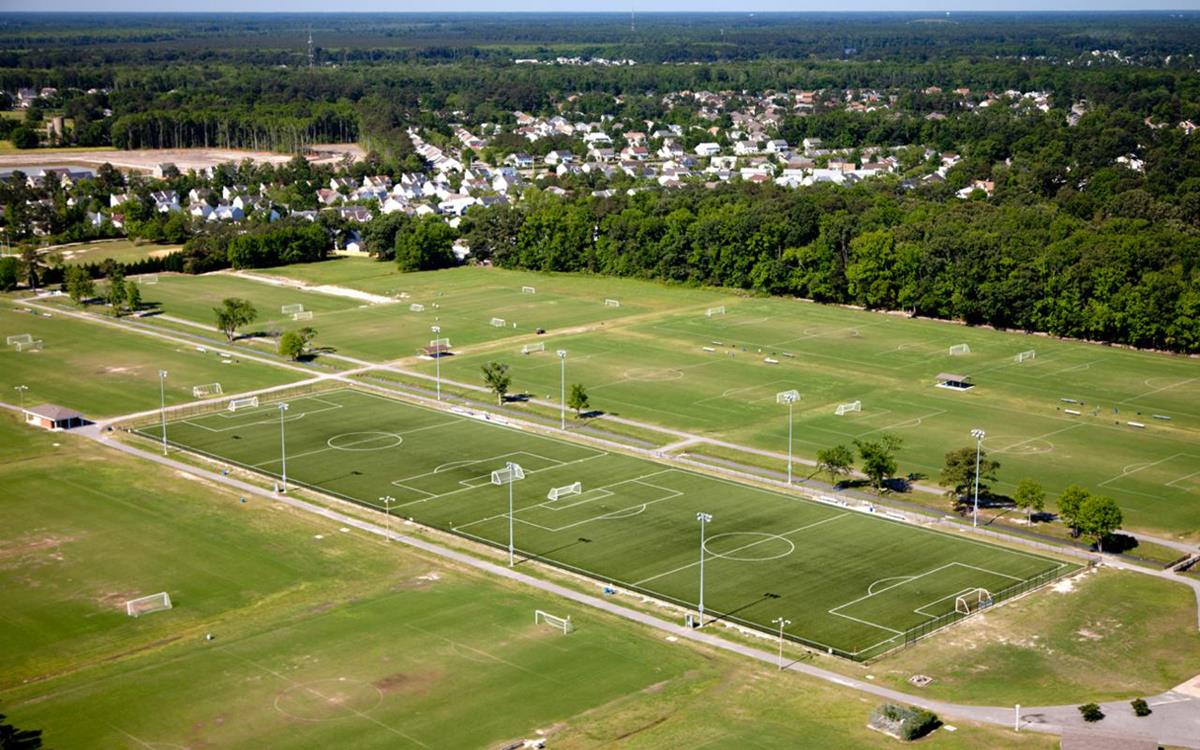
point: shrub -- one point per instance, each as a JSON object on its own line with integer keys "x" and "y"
{"x": 919, "y": 723}
{"x": 905, "y": 723}
{"x": 1140, "y": 707}
{"x": 1091, "y": 712}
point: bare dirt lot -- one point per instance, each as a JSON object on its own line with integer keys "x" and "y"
{"x": 184, "y": 158}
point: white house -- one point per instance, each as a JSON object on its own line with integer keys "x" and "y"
{"x": 708, "y": 149}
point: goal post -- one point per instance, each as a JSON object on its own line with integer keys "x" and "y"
{"x": 509, "y": 474}
{"x": 498, "y": 323}
{"x": 531, "y": 348}
{"x": 292, "y": 309}
{"x": 416, "y": 307}
{"x": 149, "y": 279}
{"x": 144, "y": 605}
{"x": 972, "y": 601}
{"x": 29, "y": 346}
{"x": 844, "y": 409}
{"x": 958, "y": 349}
{"x": 237, "y": 404}
{"x": 1031, "y": 354}
{"x": 208, "y": 389}
{"x": 718, "y": 310}
{"x": 565, "y": 491}
{"x": 561, "y": 623}
{"x": 528, "y": 290}
{"x": 20, "y": 338}
{"x": 612, "y": 303}
{"x": 302, "y": 315}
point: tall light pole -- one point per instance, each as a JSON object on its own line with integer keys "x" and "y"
{"x": 20, "y": 389}
{"x": 703, "y": 518}
{"x": 509, "y": 474}
{"x": 162, "y": 406}
{"x": 562, "y": 389}
{"x": 437, "y": 358}
{"x": 283, "y": 407}
{"x": 782, "y": 623}
{"x": 979, "y": 435}
{"x": 789, "y": 398}
{"x": 387, "y": 501}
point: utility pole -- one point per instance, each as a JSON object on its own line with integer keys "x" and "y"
{"x": 703, "y": 518}
{"x": 979, "y": 436}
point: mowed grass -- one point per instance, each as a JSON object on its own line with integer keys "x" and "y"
{"x": 660, "y": 371}
{"x": 122, "y": 251}
{"x": 103, "y": 371}
{"x": 849, "y": 581}
{"x": 325, "y": 638}
{"x": 462, "y": 302}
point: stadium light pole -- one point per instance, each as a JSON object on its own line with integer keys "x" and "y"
{"x": 703, "y": 518}
{"x": 562, "y": 389}
{"x": 437, "y": 358}
{"x": 387, "y": 501}
{"x": 789, "y": 398}
{"x": 979, "y": 435}
{"x": 162, "y": 406}
{"x": 283, "y": 407}
{"x": 782, "y": 623}
{"x": 20, "y": 389}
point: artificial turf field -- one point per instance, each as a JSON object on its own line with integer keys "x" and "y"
{"x": 849, "y": 581}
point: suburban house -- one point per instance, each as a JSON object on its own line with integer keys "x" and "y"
{"x": 53, "y": 417}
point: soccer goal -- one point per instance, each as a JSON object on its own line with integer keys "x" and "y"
{"x": 1031, "y": 354}
{"x": 29, "y": 346}
{"x": 441, "y": 343}
{"x": 787, "y": 397}
{"x": 146, "y": 604}
{"x": 206, "y": 390}
{"x": 612, "y": 303}
{"x": 844, "y": 409}
{"x": 498, "y": 323}
{"x": 560, "y": 623}
{"x": 237, "y": 404}
{"x": 958, "y": 349}
{"x": 565, "y": 491}
{"x": 416, "y": 307}
{"x": 302, "y": 315}
{"x": 510, "y": 473}
{"x": 20, "y": 338}
{"x": 531, "y": 348}
{"x": 528, "y": 290}
{"x": 972, "y": 601}
{"x": 719, "y": 310}
{"x": 292, "y": 309}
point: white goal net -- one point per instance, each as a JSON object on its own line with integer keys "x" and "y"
{"x": 528, "y": 290}
{"x": 27, "y": 346}
{"x": 151, "y": 279}
{"x": 302, "y": 315}
{"x": 498, "y": 323}
{"x": 510, "y": 473}
{"x": 844, "y": 409}
{"x": 291, "y": 309}
{"x": 565, "y": 491}
{"x": 787, "y": 397}
{"x": 958, "y": 349}
{"x": 1031, "y": 354}
{"x": 208, "y": 389}
{"x": 416, "y": 307}
{"x": 612, "y": 303}
{"x": 972, "y": 601}
{"x": 531, "y": 348}
{"x": 243, "y": 403}
{"x": 560, "y": 623}
{"x": 720, "y": 310}
{"x": 146, "y": 604}
{"x": 20, "y": 338}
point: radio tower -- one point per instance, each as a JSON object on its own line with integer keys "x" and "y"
{"x": 310, "y": 47}
{"x": 631, "y": 26}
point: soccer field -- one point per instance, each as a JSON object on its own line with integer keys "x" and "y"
{"x": 850, "y": 582}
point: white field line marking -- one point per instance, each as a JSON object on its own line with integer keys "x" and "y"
{"x": 913, "y": 421}
{"x": 744, "y": 546}
{"x": 1141, "y": 467}
{"x": 448, "y": 493}
{"x": 1183, "y": 478}
{"x": 668, "y": 494}
{"x": 267, "y": 419}
{"x": 1156, "y": 390}
{"x": 1018, "y": 444}
{"x": 730, "y": 391}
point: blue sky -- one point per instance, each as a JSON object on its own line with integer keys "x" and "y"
{"x": 400, "y": 6}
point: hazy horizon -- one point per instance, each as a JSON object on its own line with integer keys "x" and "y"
{"x": 588, "y": 6}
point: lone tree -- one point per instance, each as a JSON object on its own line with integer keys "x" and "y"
{"x": 578, "y": 399}
{"x": 133, "y": 297}
{"x": 294, "y": 344}
{"x": 79, "y": 284}
{"x": 117, "y": 292}
{"x": 233, "y": 314}
{"x": 495, "y": 375}
{"x": 836, "y": 462}
{"x": 1069, "y": 503}
{"x": 958, "y": 474}
{"x": 1098, "y": 517}
{"x": 879, "y": 458}
{"x": 1030, "y": 497}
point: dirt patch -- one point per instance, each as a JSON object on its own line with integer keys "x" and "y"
{"x": 33, "y": 546}
{"x": 116, "y": 599}
{"x": 408, "y": 682}
{"x": 659, "y": 686}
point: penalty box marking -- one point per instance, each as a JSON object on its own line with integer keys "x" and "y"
{"x": 328, "y": 447}
{"x": 330, "y": 406}
{"x": 480, "y": 480}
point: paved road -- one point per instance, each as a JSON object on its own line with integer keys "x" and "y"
{"x": 1175, "y": 721}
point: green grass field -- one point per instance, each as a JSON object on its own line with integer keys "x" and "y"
{"x": 122, "y": 251}
{"x": 849, "y": 581}
{"x": 103, "y": 371}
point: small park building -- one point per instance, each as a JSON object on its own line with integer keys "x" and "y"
{"x": 53, "y": 417}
